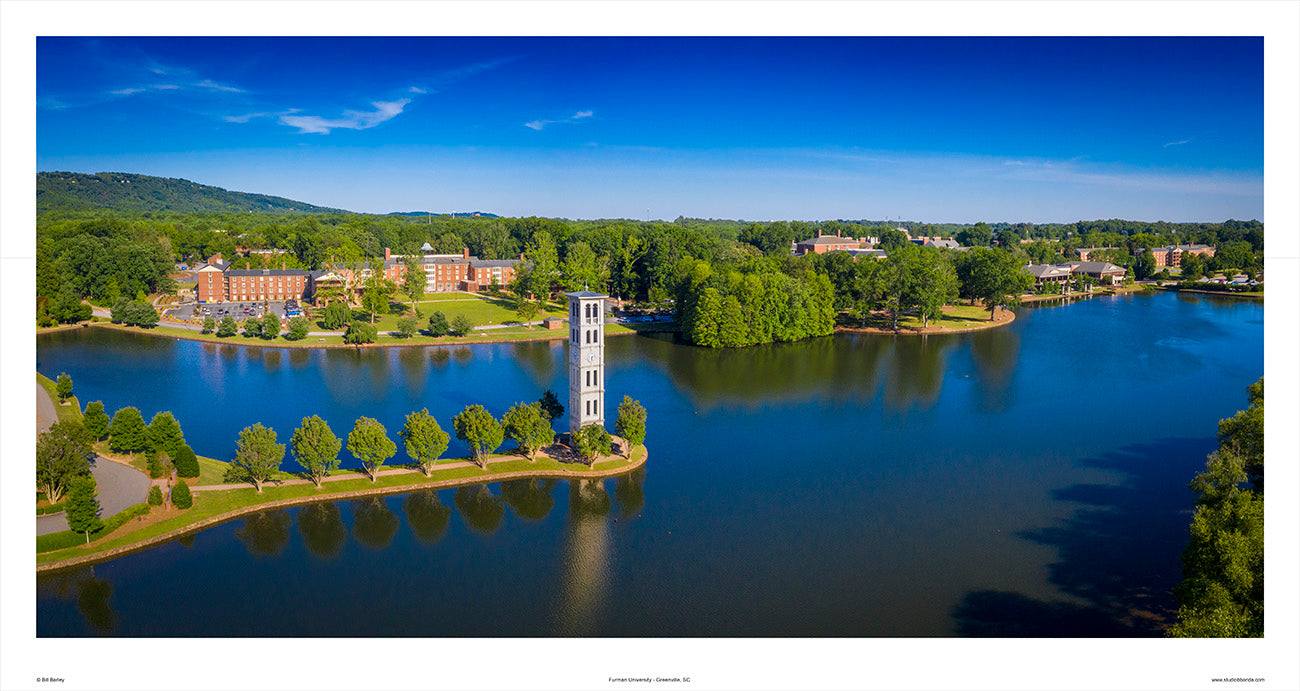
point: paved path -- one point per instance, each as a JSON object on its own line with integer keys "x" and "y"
{"x": 118, "y": 485}
{"x": 46, "y": 414}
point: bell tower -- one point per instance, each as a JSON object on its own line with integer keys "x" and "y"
{"x": 586, "y": 359}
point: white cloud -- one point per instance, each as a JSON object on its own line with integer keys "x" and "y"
{"x": 214, "y": 86}
{"x": 418, "y": 90}
{"x": 540, "y": 124}
{"x": 1177, "y": 143}
{"x": 351, "y": 119}
{"x": 128, "y": 91}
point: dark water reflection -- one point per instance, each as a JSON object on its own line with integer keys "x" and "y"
{"x": 1023, "y": 481}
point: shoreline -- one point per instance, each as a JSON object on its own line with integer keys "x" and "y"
{"x": 929, "y": 330}
{"x": 224, "y": 517}
{"x": 241, "y": 340}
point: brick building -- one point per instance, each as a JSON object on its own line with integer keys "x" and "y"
{"x": 220, "y": 281}
{"x": 1172, "y": 255}
{"x": 829, "y": 243}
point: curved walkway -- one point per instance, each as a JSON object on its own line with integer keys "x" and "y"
{"x": 118, "y": 485}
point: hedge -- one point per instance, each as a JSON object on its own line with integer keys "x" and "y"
{"x": 67, "y": 538}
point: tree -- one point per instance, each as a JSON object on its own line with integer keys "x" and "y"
{"x": 164, "y": 433}
{"x": 127, "y": 431}
{"x": 209, "y": 325}
{"x": 407, "y": 326}
{"x": 299, "y": 326}
{"x": 438, "y": 324}
{"x": 119, "y": 311}
{"x": 181, "y": 497}
{"x": 996, "y": 278}
{"x": 252, "y": 327}
{"x": 96, "y": 420}
{"x": 377, "y": 293}
{"x": 413, "y": 281}
{"x": 934, "y": 285}
{"x": 153, "y": 464}
{"x": 529, "y": 426}
{"x": 1144, "y": 265}
{"x": 270, "y": 326}
{"x": 979, "y": 235}
{"x": 82, "y": 507}
{"x": 476, "y": 427}
{"x": 551, "y": 405}
{"x": 187, "y": 464}
{"x": 461, "y": 325}
{"x": 62, "y": 454}
{"x": 360, "y": 332}
{"x": 228, "y": 327}
{"x": 583, "y": 269}
{"x": 1222, "y": 592}
{"x": 64, "y": 387}
{"x": 155, "y": 496}
{"x": 592, "y": 442}
{"x": 425, "y": 440}
{"x": 630, "y": 424}
{"x": 1192, "y": 265}
{"x": 369, "y": 443}
{"x": 316, "y": 448}
{"x": 543, "y": 266}
{"x": 336, "y": 316}
{"x": 257, "y": 456}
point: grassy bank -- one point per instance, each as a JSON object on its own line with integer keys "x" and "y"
{"x": 217, "y": 504}
{"x": 72, "y": 411}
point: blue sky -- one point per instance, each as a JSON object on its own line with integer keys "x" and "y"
{"x": 930, "y": 129}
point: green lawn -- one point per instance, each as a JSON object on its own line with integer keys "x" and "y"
{"x": 956, "y": 317}
{"x": 481, "y": 310}
{"x": 65, "y": 412}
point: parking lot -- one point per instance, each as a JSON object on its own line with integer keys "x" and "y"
{"x": 239, "y": 310}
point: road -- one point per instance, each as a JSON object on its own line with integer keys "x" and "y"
{"x": 118, "y": 485}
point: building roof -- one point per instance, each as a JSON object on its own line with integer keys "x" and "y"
{"x": 585, "y": 294}
{"x": 943, "y": 242}
{"x": 881, "y": 254}
{"x": 1095, "y": 267}
{"x": 267, "y": 272}
{"x": 827, "y": 240}
{"x": 426, "y": 247}
{"x": 1048, "y": 270}
{"x": 489, "y": 263}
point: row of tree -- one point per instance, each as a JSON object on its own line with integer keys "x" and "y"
{"x": 316, "y": 447}
{"x": 1222, "y": 592}
{"x": 729, "y": 309}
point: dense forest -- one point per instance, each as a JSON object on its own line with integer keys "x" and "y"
{"x": 102, "y": 242}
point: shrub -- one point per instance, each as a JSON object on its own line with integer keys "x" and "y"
{"x": 252, "y": 327}
{"x": 461, "y": 325}
{"x": 155, "y": 496}
{"x": 181, "y": 496}
{"x": 407, "y": 326}
{"x": 298, "y": 328}
{"x": 438, "y": 324}
{"x": 270, "y": 326}
{"x": 187, "y": 464}
{"x": 360, "y": 332}
{"x": 209, "y": 324}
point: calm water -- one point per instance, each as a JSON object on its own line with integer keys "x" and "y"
{"x": 1022, "y": 481}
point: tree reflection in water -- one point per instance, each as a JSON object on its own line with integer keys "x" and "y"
{"x": 538, "y": 359}
{"x": 265, "y": 533}
{"x": 530, "y": 498}
{"x": 93, "y": 595}
{"x": 322, "y": 529}
{"x": 629, "y": 490}
{"x": 996, "y": 353}
{"x": 427, "y": 516}
{"x": 481, "y": 510}
{"x": 373, "y": 523}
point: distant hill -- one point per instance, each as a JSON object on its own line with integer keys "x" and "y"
{"x": 454, "y": 214}
{"x": 129, "y": 192}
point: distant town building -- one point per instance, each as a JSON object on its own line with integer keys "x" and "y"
{"x": 829, "y": 243}
{"x": 1172, "y": 255}
{"x": 946, "y": 243}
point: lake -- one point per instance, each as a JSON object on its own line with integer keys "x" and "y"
{"x": 1029, "y": 480}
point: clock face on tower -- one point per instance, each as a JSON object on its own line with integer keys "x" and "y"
{"x": 591, "y": 358}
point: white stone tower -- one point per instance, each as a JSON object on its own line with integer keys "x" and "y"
{"x": 586, "y": 359}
